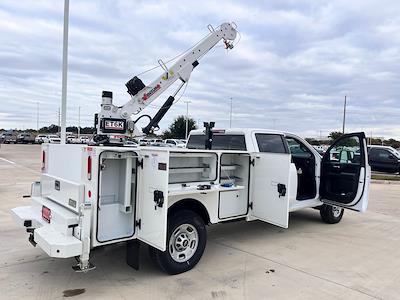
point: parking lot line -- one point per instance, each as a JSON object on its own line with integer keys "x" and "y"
{"x": 9, "y": 161}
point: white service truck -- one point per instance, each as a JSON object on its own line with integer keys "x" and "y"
{"x": 89, "y": 196}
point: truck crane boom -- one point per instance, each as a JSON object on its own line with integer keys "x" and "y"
{"x": 117, "y": 120}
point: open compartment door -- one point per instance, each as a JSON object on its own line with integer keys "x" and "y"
{"x": 345, "y": 173}
{"x": 269, "y": 188}
{"x": 153, "y": 197}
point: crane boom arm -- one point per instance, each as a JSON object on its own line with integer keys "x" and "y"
{"x": 113, "y": 119}
{"x": 182, "y": 70}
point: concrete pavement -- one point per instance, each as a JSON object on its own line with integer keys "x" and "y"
{"x": 359, "y": 258}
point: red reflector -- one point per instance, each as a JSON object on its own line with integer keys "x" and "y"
{"x": 46, "y": 213}
{"x": 89, "y": 168}
{"x": 89, "y": 193}
{"x": 43, "y": 159}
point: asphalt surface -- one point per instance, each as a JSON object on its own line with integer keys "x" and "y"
{"x": 359, "y": 258}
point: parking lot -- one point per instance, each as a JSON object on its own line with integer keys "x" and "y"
{"x": 359, "y": 258}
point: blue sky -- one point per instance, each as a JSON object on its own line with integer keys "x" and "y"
{"x": 294, "y": 63}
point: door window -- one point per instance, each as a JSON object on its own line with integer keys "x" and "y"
{"x": 346, "y": 151}
{"x": 220, "y": 142}
{"x": 298, "y": 149}
{"x": 272, "y": 143}
{"x": 384, "y": 155}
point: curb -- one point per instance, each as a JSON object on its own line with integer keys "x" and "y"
{"x": 378, "y": 181}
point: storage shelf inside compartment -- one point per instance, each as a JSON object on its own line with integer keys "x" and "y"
{"x": 230, "y": 167}
{"x": 232, "y": 179}
{"x": 188, "y": 169}
{"x": 192, "y": 167}
{"x": 234, "y": 167}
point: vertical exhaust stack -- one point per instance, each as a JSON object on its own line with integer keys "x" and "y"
{"x": 107, "y": 97}
{"x": 209, "y": 134}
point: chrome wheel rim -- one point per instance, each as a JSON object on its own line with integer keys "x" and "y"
{"x": 336, "y": 211}
{"x": 183, "y": 243}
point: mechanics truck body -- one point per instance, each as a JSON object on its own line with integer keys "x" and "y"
{"x": 89, "y": 196}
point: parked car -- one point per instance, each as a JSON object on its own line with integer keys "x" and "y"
{"x": 155, "y": 141}
{"x": 143, "y": 142}
{"x": 53, "y": 139}
{"x": 84, "y": 139}
{"x": 321, "y": 149}
{"x": 130, "y": 143}
{"x": 25, "y": 138}
{"x": 147, "y": 142}
{"x": 384, "y": 159}
{"x": 40, "y": 138}
{"x": 159, "y": 144}
{"x": 8, "y": 138}
{"x": 175, "y": 143}
{"x": 71, "y": 139}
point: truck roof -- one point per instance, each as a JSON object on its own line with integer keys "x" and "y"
{"x": 237, "y": 131}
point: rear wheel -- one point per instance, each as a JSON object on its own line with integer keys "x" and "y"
{"x": 185, "y": 243}
{"x": 331, "y": 214}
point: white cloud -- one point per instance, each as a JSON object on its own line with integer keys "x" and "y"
{"x": 291, "y": 69}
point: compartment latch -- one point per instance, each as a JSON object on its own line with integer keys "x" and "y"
{"x": 158, "y": 199}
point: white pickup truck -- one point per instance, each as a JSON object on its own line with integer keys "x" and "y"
{"x": 91, "y": 196}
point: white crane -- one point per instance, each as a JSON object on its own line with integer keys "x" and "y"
{"x": 117, "y": 120}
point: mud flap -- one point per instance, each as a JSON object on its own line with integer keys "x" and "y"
{"x": 133, "y": 253}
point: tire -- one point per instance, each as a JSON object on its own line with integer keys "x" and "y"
{"x": 186, "y": 241}
{"x": 331, "y": 214}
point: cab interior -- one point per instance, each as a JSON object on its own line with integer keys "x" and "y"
{"x": 304, "y": 160}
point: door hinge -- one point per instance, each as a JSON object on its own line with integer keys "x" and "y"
{"x": 140, "y": 163}
{"x": 250, "y": 205}
{"x": 253, "y": 162}
{"x": 138, "y": 223}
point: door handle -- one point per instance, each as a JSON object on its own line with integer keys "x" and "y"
{"x": 336, "y": 166}
{"x": 281, "y": 189}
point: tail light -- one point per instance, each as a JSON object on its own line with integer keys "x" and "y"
{"x": 43, "y": 160}
{"x": 89, "y": 168}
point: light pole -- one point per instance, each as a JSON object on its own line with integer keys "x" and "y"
{"x": 230, "y": 116}
{"x": 64, "y": 74}
{"x": 344, "y": 113}
{"x": 37, "y": 117}
{"x": 187, "y": 118}
{"x": 79, "y": 122}
{"x": 59, "y": 118}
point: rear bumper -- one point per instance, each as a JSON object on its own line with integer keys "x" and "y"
{"x": 55, "y": 238}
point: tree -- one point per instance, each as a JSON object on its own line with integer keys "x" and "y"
{"x": 178, "y": 128}
{"x": 88, "y": 130}
{"x": 313, "y": 142}
{"x": 392, "y": 142}
{"x": 72, "y": 129}
{"x": 334, "y": 135}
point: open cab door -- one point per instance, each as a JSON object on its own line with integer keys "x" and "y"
{"x": 153, "y": 197}
{"x": 345, "y": 173}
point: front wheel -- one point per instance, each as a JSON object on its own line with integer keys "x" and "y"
{"x": 186, "y": 242}
{"x": 331, "y": 214}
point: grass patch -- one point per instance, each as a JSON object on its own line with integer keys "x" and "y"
{"x": 386, "y": 177}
